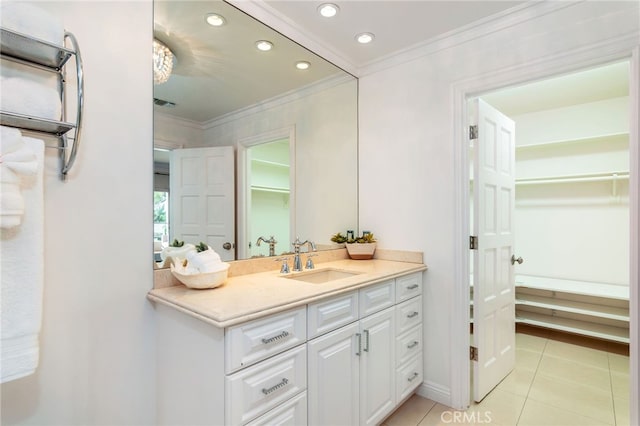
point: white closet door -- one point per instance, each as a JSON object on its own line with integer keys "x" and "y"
{"x": 202, "y": 198}
{"x": 493, "y": 291}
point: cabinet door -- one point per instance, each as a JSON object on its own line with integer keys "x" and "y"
{"x": 377, "y": 372}
{"x": 334, "y": 378}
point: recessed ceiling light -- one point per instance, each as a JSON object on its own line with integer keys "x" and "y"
{"x": 328, "y": 10}
{"x": 365, "y": 38}
{"x": 215, "y": 20}
{"x": 302, "y": 65}
{"x": 264, "y": 45}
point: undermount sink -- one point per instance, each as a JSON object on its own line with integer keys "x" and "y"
{"x": 321, "y": 276}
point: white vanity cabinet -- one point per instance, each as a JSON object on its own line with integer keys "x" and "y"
{"x": 360, "y": 372}
{"x": 349, "y": 359}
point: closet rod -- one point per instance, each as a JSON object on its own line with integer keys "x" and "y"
{"x": 599, "y": 177}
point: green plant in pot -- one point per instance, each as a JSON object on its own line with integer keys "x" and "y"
{"x": 359, "y": 248}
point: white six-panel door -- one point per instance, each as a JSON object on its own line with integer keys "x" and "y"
{"x": 493, "y": 277}
{"x": 202, "y": 198}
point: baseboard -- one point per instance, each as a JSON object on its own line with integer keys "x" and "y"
{"x": 435, "y": 392}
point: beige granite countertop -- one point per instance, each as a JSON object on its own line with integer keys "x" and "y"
{"x": 250, "y": 296}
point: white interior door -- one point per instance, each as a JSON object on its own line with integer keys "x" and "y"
{"x": 493, "y": 277}
{"x": 202, "y": 198}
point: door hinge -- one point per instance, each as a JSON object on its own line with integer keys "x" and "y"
{"x": 473, "y": 353}
{"x": 473, "y": 132}
{"x": 473, "y": 242}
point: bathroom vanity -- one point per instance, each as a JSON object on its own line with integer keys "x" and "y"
{"x": 339, "y": 344}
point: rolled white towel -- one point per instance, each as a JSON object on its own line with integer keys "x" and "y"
{"x": 177, "y": 252}
{"x": 204, "y": 261}
{"x": 31, "y": 20}
{"x": 22, "y": 96}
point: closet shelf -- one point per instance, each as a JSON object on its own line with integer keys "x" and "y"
{"x": 22, "y": 47}
{"x": 588, "y": 308}
{"x": 592, "y": 139}
{"x": 270, "y": 189}
{"x": 600, "y": 331}
{"x": 582, "y": 308}
{"x": 591, "y": 177}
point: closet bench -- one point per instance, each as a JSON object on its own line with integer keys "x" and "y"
{"x": 591, "y": 309}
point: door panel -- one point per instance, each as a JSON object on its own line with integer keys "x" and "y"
{"x": 202, "y": 197}
{"x": 493, "y": 280}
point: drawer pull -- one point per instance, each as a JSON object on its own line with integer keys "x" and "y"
{"x": 412, "y": 344}
{"x": 359, "y": 337}
{"x": 275, "y": 338}
{"x": 412, "y": 378}
{"x": 413, "y": 287}
{"x": 413, "y": 314}
{"x": 273, "y": 388}
{"x": 366, "y": 340}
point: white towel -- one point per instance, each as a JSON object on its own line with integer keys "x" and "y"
{"x": 16, "y": 159}
{"x": 21, "y": 278}
{"x": 28, "y": 97}
{"x": 31, "y": 20}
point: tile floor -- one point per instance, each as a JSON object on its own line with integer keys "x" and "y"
{"x": 554, "y": 383}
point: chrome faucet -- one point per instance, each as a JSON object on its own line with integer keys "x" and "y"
{"x": 272, "y": 244}
{"x": 297, "y": 263}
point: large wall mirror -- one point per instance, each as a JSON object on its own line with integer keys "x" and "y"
{"x": 248, "y": 142}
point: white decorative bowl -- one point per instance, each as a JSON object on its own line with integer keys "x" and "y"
{"x": 202, "y": 280}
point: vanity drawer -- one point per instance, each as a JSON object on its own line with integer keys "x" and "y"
{"x": 250, "y": 342}
{"x": 255, "y": 390}
{"x": 328, "y": 315}
{"x": 408, "y": 345}
{"x": 376, "y": 297}
{"x": 408, "y": 314}
{"x": 408, "y": 286}
{"x": 291, "y": 413}
{"x": 409, "y": 377}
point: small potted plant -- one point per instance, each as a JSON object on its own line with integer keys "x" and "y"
{"x": 359, "y": 248}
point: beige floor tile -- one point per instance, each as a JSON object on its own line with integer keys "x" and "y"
{"x": 584, "y": 400}
{"x": 531, "y": 343}
{"x": 574, "y": 371}
{"x": 538, "y": 414}
{"x": 622, "y": 411}
{"x": 572, "y": 353}
{"x": 517, "y": 382}
{"x": 498, "y": 407}
{"x": 441, "y": 415}
{"x": 527, "y": 360}
{"x": 411, "y": 412}
{"x": 619, "y": 363}
{"x": 620, "y": 385}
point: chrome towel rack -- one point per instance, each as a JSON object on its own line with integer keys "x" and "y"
{"x": 40, "y": 54}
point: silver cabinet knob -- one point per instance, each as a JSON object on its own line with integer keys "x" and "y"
{"x": 514, "y": 260}
{"x": 227, "y": 246}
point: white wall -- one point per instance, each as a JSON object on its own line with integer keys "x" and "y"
{"x": 406, "y": 167}
{"x": 97, "y": 342}
{"x": 577, "y": 230}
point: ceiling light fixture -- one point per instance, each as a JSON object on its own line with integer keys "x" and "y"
{"x": 365, "y": 38}
{"x": 303, "y": 65}
{"x": 162, "y": 62}
{"x": 328, "y": 10}
{"x": 264, "y": 45}
{"x": 215, "y": 20}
